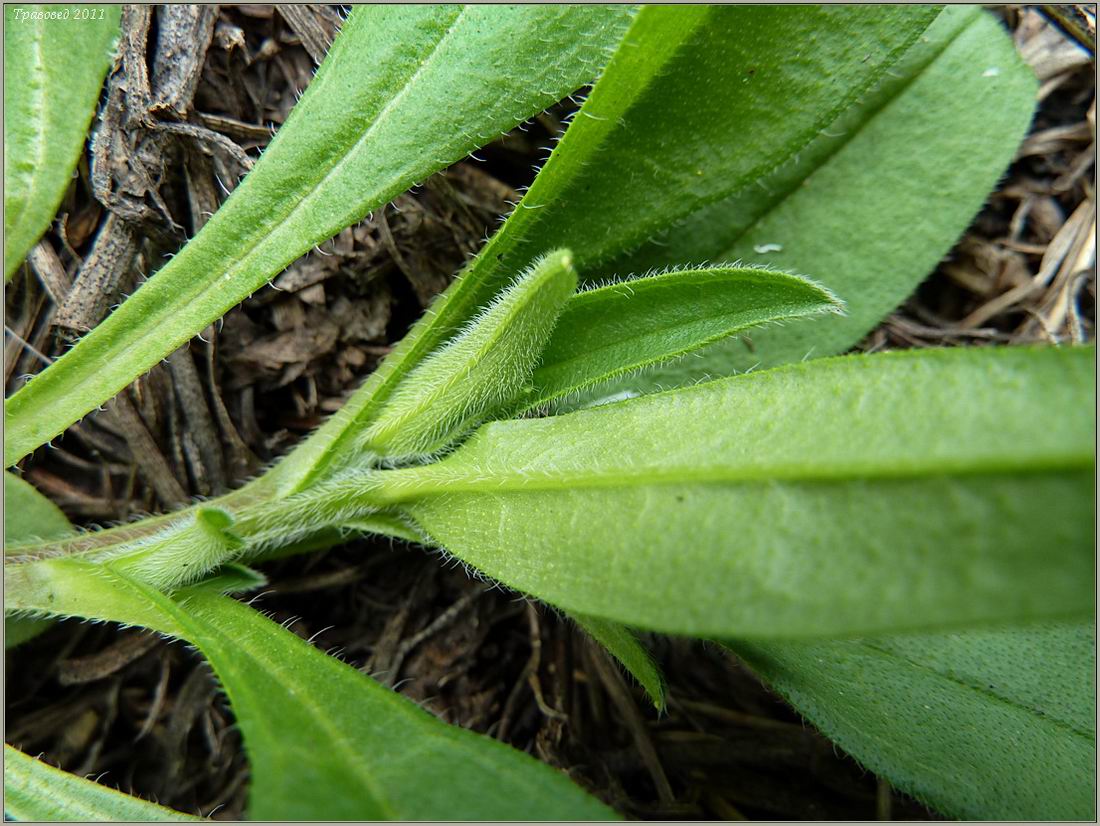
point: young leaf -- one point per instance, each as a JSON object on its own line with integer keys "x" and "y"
{"x": 324, "y": 741}
{"x": 404, "y": 91}
{"x": 483, "y": 368}
{"x": 981, "y": 725}
{"x": 696, "y": 103}
{"x": 625, "y": 647}
{"x": 53, "y": 71}
{"x": 37, "y": 791}
{"x": 874, "y": 203}
{"x": 619, "y": 327}
{"x": 852, "y": 495}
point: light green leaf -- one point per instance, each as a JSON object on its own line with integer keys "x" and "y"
{"x": 486, "y": 366}
{"x": 851, "y": 495}
{"x": 404, "y": 91}
{"x": 875, "y": 202}
{"x": 37, "y": 791}
{"x": 698, "y": 102}
{"x": 29, "y": 516}
{"x": 982, "y": 725}
{"x": 54, "y": 62}
{"x": 625, "y": 647}
{"x": 611, "y": 330}
{"x": 324, "y": 741}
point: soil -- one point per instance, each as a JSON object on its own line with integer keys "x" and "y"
{"x": 146, "y": 715}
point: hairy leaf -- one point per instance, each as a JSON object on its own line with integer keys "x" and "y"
{"x": 483, "y": 368}
{"x": 324, "y": 741}
{"x": 625, "y": 647}
{"x": 37, "y": 791}
{"x": 697, "y": 103}
{"x": 53, "y": 71}
{"x": 858, "y": 494}
{"x": 610, "y": 330}
{"x": 384, "y": 112}
{"x": 981, "y": 725}
{"x": 874, "y": 203}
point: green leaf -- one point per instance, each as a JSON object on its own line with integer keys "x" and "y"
{"x": 875, "y": 202}
{"x": 324, "y": 741}
{"x": 982, "y": 725}
{"x": 28, "y": 516}
{"x": 404, "y": 91}
{"x": 37, "y": 791}
{"x": 851, "y": 495}
{"x": 610, "y": 330}
{"x": 625, "y": 647}
{"x": 54, "y": 62}
{"x": 698, "y": 102}
{"x": 483, "y": 368}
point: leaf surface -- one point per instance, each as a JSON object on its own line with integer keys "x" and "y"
{"x": 404, "y": 91}
{"x": 981, "y": 725}
{"x": 611, "y": 330}
{"x": 53, "y": 71}
{"x": 851, "y": 495}
{"x": 324, "y": 741}
{"x": 696, "y": 103}
{"x": 874, "y": 203}
{"x": 37, "y": 791}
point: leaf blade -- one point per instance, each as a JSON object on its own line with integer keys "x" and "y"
{"x": 37, "y": 791}
{"x": 53, "y": 71}
{"x": 627, "y": 325}
{"x": 324, "y": 741}
{"x": 932, "y": 713}
{"x": 746, "y": 502}
{"x": 890, "y": 178}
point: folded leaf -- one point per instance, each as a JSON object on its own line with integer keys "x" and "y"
{"x": 486, "y": 366}
{"x": 874, "y": 203}
{"x": 621, "y": 643}
{"x": 982, "y": 725}
{"x": 850, "y": 495}
{"x": 404, "y": 91}
{"x": 37, "y": 791}
{"x": 611, "y": 330}
{"x": 324, "y": 741}
{"x": 53, "y": 71}
{"x": 698, "y": 102}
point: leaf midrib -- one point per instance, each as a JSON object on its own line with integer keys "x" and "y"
{"x": 415, "y": 483}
